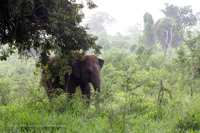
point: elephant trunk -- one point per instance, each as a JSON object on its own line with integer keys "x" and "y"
{"x": 96, "y": 82}
{"x": 96, "y": 85}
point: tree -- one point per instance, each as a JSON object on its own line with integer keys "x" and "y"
{"x": 98, "y": 21}
{"x": 192, "y": 42}
{"x": 133, "y": 47}
{"x": 50, "y": 25}
{"x": 165, "y": 32}
{"x": 148, "y": 36}
{"x": 182, "y": 15}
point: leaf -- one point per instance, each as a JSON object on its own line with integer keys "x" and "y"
{"x": 35, "y": 73}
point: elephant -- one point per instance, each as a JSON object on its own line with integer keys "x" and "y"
{"x": 84, "y": 71}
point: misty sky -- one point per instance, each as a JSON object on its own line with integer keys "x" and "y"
{"x": 129, "y": 12}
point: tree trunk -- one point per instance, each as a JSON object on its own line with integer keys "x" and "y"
{"x": 170, "y": 54}
{"x": 165, "y": 48}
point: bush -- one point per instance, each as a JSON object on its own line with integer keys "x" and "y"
{"x": 157, "y": 61}
{"x": 116, "y": 58}
{"x": 190, "y": 118}
{"x": 5, "y": 91}
{"x": 133, "y": 47}
{"x": 188, "y": 122}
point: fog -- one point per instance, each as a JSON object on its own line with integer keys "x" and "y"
{"x": 128, "y": 12}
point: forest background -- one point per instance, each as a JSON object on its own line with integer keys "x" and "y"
{"x": 150, "y": 78}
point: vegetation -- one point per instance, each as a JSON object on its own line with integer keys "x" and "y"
{"x": 141, "y": 91}
{"x": 167, "y": 35}
{"x": 148, "y": 35}
{"x": 52, "y": 26}
{"x": 182, "y": 15}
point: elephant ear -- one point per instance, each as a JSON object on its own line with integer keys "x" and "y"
{"x": 75, "y": 70}
{"x": 100, "y": 61}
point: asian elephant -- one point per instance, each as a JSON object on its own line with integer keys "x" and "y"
{"x": 84, "y": 71}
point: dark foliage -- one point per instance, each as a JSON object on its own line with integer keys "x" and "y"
{"x": 50, "y": 25}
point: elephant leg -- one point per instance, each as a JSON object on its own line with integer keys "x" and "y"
{"x": 71, "y": 89}
{"x": 85, "y": 89}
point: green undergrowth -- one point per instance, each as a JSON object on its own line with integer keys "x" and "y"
{"x": 137, "y": 95}
{"x": 136, "y": 115}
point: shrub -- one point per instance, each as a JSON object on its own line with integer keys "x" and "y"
{"x": 133, "y": 47}
{"x": 5, "y": 91}
{"x": 190, "y": 119}
{"x": 189, "y": 122}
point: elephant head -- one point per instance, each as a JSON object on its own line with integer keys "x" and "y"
{"x": 88, "y": 70}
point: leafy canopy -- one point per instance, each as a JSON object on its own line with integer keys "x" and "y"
{"x": 51, "y": 25}
{"x": 166, "y": 33}
{"x": 182, "y": 15}
{"x": 163, "y": 29}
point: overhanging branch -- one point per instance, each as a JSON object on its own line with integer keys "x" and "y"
{"x": 33, "y": 10}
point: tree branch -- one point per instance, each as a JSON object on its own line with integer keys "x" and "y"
{"x": 33, "y": 10}
{"x": 166, "y": 38}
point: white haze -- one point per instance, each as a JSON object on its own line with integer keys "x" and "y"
{"x": 129, "y": 12}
